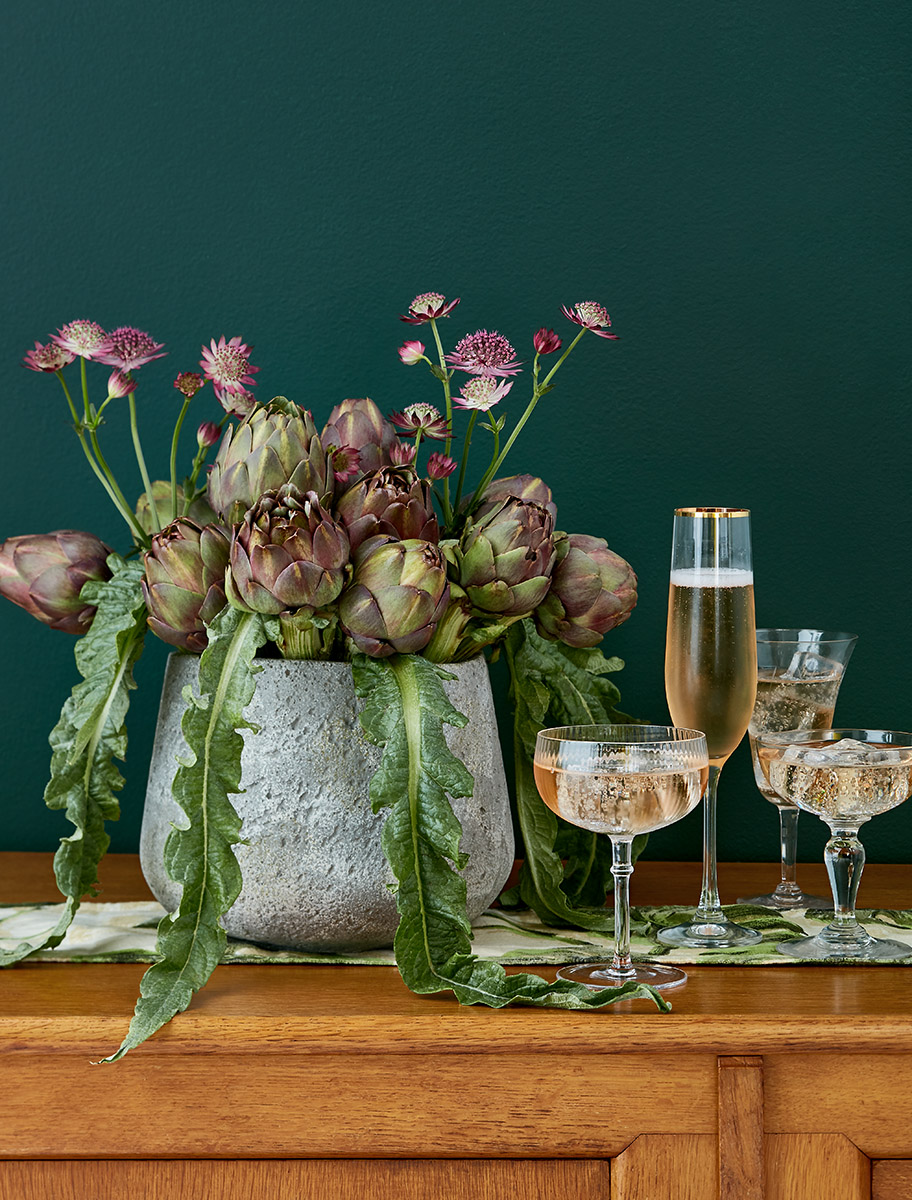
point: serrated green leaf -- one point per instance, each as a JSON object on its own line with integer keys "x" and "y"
{"x": 405, "y": 708}
{"x": 89, "y": 735}
{"x": 191, "y": 941}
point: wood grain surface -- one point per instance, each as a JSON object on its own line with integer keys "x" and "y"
{"x": 809, "y": 1166}
{"x": 666, "y": 1167}
{"x": 741, "y": 1127}
{"x": 891, "y": 1181}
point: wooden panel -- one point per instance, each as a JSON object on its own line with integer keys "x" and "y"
{"x": 376, "y": 1179}
{"x": 868, "y": 1098}
{"x": 666, "y": 1167}
{"x": 891, "y": 1181}
{"x": 341, "y": 1106}
{"x": 741, "y": 1128}
{"x": 806, "y": 1166}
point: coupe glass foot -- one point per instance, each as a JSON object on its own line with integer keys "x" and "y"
{"x": 602, "y": 975}
{"x": 708, "y": 935}
{"x": 866, "y": 949}
{"x": 783, "y": 902}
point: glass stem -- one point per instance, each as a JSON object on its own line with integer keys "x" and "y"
{"x": 622, "y": 869}
{"x": 788, "y": 848}
{"x": 709, "y": 908}
{"x": 845, "y": 859}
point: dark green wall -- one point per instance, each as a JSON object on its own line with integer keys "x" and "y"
{"x": 730, "y": 179}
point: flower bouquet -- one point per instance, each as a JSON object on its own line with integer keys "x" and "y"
{"x": 360, "y": 543}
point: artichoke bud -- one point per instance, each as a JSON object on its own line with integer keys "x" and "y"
{"x": 391, "y": 501}
{"x": 44, "y": 573}
{"x": 201, "y": 513}
{"x": 505, "y": 558}
{"x": 517, "y": 487}
{"x": 184, "y": 583}
{"x": 361, "y": 425}
{"x": 592, "y": 590}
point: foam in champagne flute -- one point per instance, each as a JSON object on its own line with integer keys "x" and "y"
{"x": 711, "y": 577}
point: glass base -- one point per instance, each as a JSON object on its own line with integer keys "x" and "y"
{"x": 865, "y": 948}
{"x": 708, "y": 935}
{"x": 784, "y": 901}
{"x": 602, "y": 975}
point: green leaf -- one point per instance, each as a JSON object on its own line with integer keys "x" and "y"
{"x": 89, "y": 735}
{"x": 554, "y": 684}
{"x": 405, "y": 708}
{"x": 191, "y": 940}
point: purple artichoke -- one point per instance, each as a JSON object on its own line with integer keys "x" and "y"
{"x": 184, "y": 585}
{"x": 398, "y": 593}
{"x": 391, "y": 501}
{"x": 505, "y": 557}
{"x": 360, "y": 425}
{"x": 200, "y": 512}
{"x": 276, "y": 444}
{"x": 44, "y": 573}
{"x": 287, "y": 554}
{"x": 518, "y": 487}
{"x": 592, "y": 590}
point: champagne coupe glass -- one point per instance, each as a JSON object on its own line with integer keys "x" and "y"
{"x": 798, "y": 676}
{"x": 845, "y": 776}
{"x": 711, "y": 676}
{"x": 621, "y": 780}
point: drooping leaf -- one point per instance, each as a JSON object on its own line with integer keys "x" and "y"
{"x": 89, "y": 736}
{"x": 405, "y": 708}
{"x": 200, "y": 857}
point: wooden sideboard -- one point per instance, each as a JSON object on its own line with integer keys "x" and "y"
{"x": 336, "y": 1083}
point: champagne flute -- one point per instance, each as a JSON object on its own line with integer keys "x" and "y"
{"x": 846, "y": 777}
{"x": 711, "y": 677}
{"x": 798, "y": 676}
{"x": 622, "y": 780}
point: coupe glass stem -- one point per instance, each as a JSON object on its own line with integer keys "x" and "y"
{"x": 709, "y": 909}
{"x": 788, "y": 888}
{"x": 845, "y": 859}
{"x": 622, "y": 869}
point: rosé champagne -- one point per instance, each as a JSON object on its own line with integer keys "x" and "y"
{"x": 624, "y": 803}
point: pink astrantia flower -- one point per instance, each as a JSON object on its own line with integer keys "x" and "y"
{"x": 591, "y": 316}
{"x": 236, "y": 404}
{"x": 411, "y": 353}
{"x": 481, "y": 393}
{"x": 346, "y": 462}
{"x": 546, "y": 341}
{"x": 120, "y": 384}
{"x": 439, "y": 466}
{"x": 429, "y": 306}
{"x": 189, "y": 382}
{"x": 421, "y": 418}
{"x": 401, "y": 455}
{"x": 85, "y": 338}
{"x": 51, "y": 357}
{"x": 484, "y": 353}
{"x": 129, "y": 348}
{"x": 208, "y": 434}
{"x": 227, "y": 364}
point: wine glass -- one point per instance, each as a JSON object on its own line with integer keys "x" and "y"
{"x": 622, "y": 780}
{"x": 798, "y": 676}
{"x": 711, "y": 677}
{"x": 846, "y": 777}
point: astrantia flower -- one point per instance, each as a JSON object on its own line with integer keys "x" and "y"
{"x": 546, "y": 341}
{"x": 402, "y": 455}
{"x": 484, "y": 353}
{"x": 208, "y": 433}
{"x": 482, "y": 393}
{"x": 411, "y": 353}
{"x": 421, "y": 418}
{"x": 129, "y": 348}
{"x": 51, "y": 357}
{"x": 346, "y": 462}
{"x": 439, "y": 466}
{"x": 591, "y": 316}
{"x": 85, "y": 338}
{"x": 121, "y": 384}
{"x": 227, "y": 364}
{"x": 189, "y": 382}
{"x": 429, "y": 306}
{"x": 236, "y": 404}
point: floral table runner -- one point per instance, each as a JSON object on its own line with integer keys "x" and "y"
{"x": 113, "y": 932}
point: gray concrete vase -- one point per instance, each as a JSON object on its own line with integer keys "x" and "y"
{"x": 315, "y": 877}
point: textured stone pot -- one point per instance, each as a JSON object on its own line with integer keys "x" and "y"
{"x": 314, "y": 874}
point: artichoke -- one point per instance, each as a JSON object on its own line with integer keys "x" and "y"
{"x": 398, "y": 593}
{"x": 360, "y": 425}
{"x": 184, "y": 584}
{"x": 44, "y": 573}
{"x": 276, "y": 444}
{"x": 519, "y": 487}
{"x": 592, "y": 590}
{"x": 391, "y": 501}
{"x": 200, "y": 512}
{"x": 505, "y": 557}
{"x": 287, "y": 554}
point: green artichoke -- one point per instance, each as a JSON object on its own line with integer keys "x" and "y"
{"x": 200, "y": 512}
{"x": 360, "y": 425}
{"x": 505, "y": 557}
{"x": 44, "y": 573}
{"x": 519, "y": 487}
{"x": 398, "y": 593}
{"x": 592, "y": 590}
{"x": 184, "y": 584}
{"x": 287, "y": 554}
{"x": 276, "y": 444}
{"x": 391, "y": 501}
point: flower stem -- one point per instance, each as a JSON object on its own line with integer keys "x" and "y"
{"x": 121, "y": 500}
{"x": 449, "y": 412}
{"x": 141, "y": 462}
{"x": 465, "y": 457}
{"x": 174, "y": 441}
{"x": 85, "y": 389}
{"x": 198, "y": 461}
